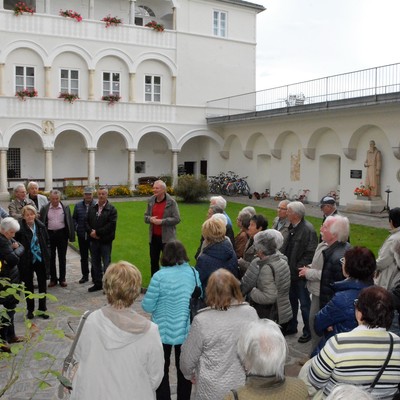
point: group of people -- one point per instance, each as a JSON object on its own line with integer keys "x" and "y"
{"x": 34, "y": 235}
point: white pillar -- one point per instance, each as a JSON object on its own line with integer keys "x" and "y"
{"x": 174, "y": 171}
{"x": 47, "y": 81}
{"x": 91, "y": 167}
{"x": 131, "y": 169}
{"x": 2, "y": 79}
{"x": 48, "y": 173}
{"x": 132, "y": 87}
{"x": 174, "y": 18}
{"x": 132, "y": 12}
{"x": 1, "y": 4}
{"x": 47, "y": 6}
{"x": 91, "y": 9}
{"x": 4, "y": 195}
{"x": 91, "y": 85}
{"x": 173, "y": 93}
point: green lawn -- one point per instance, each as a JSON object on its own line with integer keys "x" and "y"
{"x": 131, "y": 241}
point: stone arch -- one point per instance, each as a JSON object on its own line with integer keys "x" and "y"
{"x": 167, "y": 134}
{"x": 72, "y": 48}
{"x": 249, "y": 147}
{"x": 114, "y": 53}
{"x": 309, "y": 150}
{"x": 19, "y": 44}
{"x": 155, "y": 56}
{"x": 278, "y": 145}
{"x": 200, "y": 132}
{"x": 76, "y": 128}
{"x": 13, "y": 129}
{"x": 114, "y": 128}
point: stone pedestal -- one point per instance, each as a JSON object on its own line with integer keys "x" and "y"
{"x": 366, "y": 204}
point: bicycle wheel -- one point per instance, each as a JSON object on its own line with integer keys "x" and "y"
{"x": 231, "y": 189}
{"x": 245, "y": 189}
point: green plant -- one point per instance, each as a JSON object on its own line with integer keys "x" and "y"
{"x": 16, "y": 360}
{"x": 71, "y": 14}
{"x": 191, "y": 188}
{"x": 73, "y": 191}
{"x": 68, "y": 97}
{"x": 21, "y": 8}
{"x": 143, "y": 190}
{"x": 112, "y": 98}
{"x": 26, "y": 93}
{"x": 109, "y": 20}
{"x": 154, "y": 25}
{"x": 167, "y": 179}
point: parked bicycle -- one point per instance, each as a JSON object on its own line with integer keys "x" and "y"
{"x": 228, "y": 184}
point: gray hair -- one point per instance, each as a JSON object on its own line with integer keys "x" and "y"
{"x": 55, "y": 192}
{"x": 103, "y": 188}
{"x": 249, "y": 209}
{"x": 268, "y": 241}
{"x": 19, "y": 186}
{"x": 298, "y": 208}
{"x": 244, "y": 217}
{"x": 32, "y": 183}
{"x": 262, "y": 349}
{"x": 9, "y": 224}
{"x": 345, "y": 391}
{"x": 218, "y": 201}
{"x": 216, "y": 209}
{"x": 340, "y": 227}
{"x": 220, "y": 217}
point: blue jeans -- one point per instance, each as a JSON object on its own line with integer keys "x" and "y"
{"x": 298, "y": 292}
{"x": 101, "y": 259}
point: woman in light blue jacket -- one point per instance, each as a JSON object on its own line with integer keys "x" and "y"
{"x": 167, "y": 299}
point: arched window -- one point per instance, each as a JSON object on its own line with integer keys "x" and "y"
{"x": 143, "y": 15}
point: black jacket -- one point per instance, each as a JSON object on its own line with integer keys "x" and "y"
{"x": 105, "y": 224}
{"x": 69, "y": 223}
{"x": 9, "y": 260}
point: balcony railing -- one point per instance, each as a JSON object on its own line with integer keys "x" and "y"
{"x": 368, "y": 82}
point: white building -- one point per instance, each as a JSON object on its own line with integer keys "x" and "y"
{"x": 164, "y": 79}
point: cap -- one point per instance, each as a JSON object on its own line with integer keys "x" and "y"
{"x": 327, "y": 200}
{"x": 88, "y": 189}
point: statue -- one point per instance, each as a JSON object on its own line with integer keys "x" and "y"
{"x": 373, "y": 164}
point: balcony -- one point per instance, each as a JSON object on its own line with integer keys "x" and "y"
{"x": 379, "y": 84}
{"x": 88, "y": 30}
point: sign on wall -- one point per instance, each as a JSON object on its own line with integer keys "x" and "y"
{"x": 356, "y": 173}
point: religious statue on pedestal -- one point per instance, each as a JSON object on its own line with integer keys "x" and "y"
{"x": 373, "y": 165}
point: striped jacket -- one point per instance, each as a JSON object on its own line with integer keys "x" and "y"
{"x": 355, "y": 358}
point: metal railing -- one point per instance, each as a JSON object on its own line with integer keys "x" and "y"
{"x": 368, "y": 82}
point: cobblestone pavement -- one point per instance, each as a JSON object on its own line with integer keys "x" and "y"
{"x": 77, "y": 297}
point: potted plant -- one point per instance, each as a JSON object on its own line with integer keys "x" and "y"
{"x": 363, "y": 192}
{"x": 109, "y": 20}
{"x": 111, "y": 98}
{"x": 21, "y": 8}
{"x": 71, "y": 14}
{"x": 22, "y": 94}
{"x": 68, "y": 97}
{"x": 157, "y": 27}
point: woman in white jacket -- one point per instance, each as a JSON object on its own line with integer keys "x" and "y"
{"x": 119, "y": 351}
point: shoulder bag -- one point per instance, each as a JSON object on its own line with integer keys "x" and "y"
{"x": 196, "y": 303}
{"x": 70, "y": 365}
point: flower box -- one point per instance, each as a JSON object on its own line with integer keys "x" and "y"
{"x": 154, "y": 25}
{"x": 111, "y": 21}
{"x": 71, "y": 14}
{"x": 111, "y": 98}
{"x": 21, "y": 8}
{"x": 68, "y": 97}
{"x": 22, "y": 94}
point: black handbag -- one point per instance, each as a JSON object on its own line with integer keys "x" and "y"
{"x": 196, "y": 303}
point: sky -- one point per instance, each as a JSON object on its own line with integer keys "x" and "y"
{"x": 299, "y": 40}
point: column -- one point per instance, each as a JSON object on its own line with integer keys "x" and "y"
{"x": 48, "y": 170}
{"x": 47, "y": 81}
{"x": 4, "y": 195}
{"x": 91, "y": 85}
{"x": 173, "y": 92}
{"x": 174, "y": 171}
{"x": 47, "y": 7}
{"x": 1, "y": 4}
{"x": 174, "y": 18}
{"x": 132, "y": 87}
{"x": 132, "y": 12}
{"x": 91, "y": 9}
{"x": 2, "y": 79}
{"x": 91, "y": 167}
{"x": 131, "y": 169}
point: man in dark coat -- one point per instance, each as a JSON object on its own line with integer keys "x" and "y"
{"x": 101, "y": 225}
{"x": 299, "y": 248}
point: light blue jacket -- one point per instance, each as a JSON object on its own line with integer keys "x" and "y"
{"x": 167, "y": 299}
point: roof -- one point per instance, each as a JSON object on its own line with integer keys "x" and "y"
{"x": 257, "y": 7}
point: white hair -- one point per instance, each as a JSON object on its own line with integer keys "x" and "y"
{"x": 298, "y": 208}
{"x": 248, "y": 209}
{"x": 268, "y": 241}
{"x": 161, "y": 183}
{"x": 9, "y": 224}
{"x": 262, "y": 349}
{"x": 218, "y": 201}
{"x": 220, "y": 217}
{"x": 32, "y": 183}
{"x": 345, "y": 392}
{"x": 340, "y": 227}
{"x": 18, "y": 187}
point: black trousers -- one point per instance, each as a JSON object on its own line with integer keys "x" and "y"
{"x": 58, "y": 244}
{"x": 184, "y": 386}
{"x": 156, "y": 248}
{"x": 84, "y": 249}
{"x": 27, "y": 277}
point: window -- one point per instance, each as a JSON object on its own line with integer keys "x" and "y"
{"x": 24, "y": 78}
{"x": 111, "y": 83}
{"x": 219, "y": 23}
{"x": 14, "y": 163}
{"x": 143, "y": 14}
{"x": 10, "y": 4}
{"x": 140, "y": 167}
{"x": 152, "y": 88}
{"x": 69, "y": 81}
